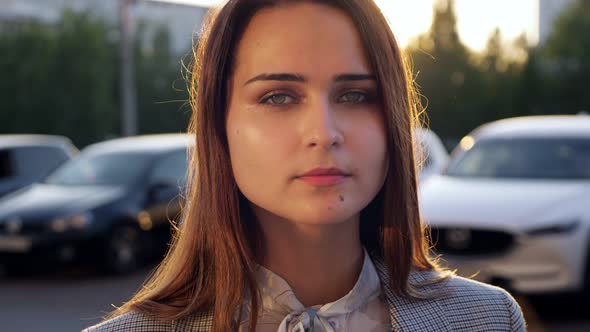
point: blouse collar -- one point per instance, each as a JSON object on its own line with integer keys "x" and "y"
{"x": 281, "y": 305}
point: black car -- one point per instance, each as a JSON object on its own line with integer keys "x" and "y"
{"x": 113, "y": 204}
{"x": 20, "y": 156}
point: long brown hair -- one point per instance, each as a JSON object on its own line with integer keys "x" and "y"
{"x": 210, "y": 265}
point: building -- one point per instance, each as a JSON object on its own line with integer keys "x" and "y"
{"x": 182, "y": 20}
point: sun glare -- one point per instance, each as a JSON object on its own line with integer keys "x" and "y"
{"x": 407, "y": 19}
{"x": 476, "y": 19}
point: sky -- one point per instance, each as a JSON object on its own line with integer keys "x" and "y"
{"x": 476, "y": 19}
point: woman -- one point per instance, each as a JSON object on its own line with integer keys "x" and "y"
{"x": 302, "y": 211}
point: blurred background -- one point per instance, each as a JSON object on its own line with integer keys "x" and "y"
{"x": 76, "y": 76}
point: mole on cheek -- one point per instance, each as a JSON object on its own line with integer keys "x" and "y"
{"x": 341, "y": 198}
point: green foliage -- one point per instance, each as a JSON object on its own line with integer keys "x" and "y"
{"x": 463, "y": 90}
{"x": 446, "y": 77}
{"x": 59, "y": 79}
{"x": 565, "y": 41}
{"x": 64, "y": 79}
{"x": 567, "y": 59}
{"x": 162, "y": 93}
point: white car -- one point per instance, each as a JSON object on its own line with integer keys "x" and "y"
{"x": 513, "y": 207}
{"x": 431, "y": 153}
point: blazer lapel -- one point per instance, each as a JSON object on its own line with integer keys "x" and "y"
{"x": 408, "y": 314}
{"x": 405, "y": 314}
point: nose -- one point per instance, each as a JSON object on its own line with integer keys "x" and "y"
{"x": 321, "y": 126}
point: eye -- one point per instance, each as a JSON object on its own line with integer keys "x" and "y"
{"x": 353, "y": 97}
{"x": 278, "y": 99}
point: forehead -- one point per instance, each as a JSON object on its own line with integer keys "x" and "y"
{"x": 302, "y": 37}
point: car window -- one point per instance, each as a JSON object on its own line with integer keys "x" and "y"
{"x": 105, "y": 168}
{"x": 170, "y": 170}
{"x": 557, "y": 158}
{"x": 30, "y": 161}
{"x": 6, "y": 164}
{"x": 37, "y": 161}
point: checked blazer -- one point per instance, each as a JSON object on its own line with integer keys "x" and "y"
{"x": 456, "y": 304}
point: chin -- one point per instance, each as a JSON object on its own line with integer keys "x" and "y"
{"x": 317, "y": 212}
{"x": 323, "y": 218}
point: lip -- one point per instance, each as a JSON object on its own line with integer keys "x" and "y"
{"x": 332, "y": 171}
{"x": 323, "y": 177}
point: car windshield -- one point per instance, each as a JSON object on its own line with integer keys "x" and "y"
{"x": 119, "y": 169}
{"x": 530, "y": 158}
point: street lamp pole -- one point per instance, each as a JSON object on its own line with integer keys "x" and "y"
{"x": 127, "y": 72}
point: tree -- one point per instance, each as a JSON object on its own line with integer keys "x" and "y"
{"x": 63, "y": 79}
{"x": 463, "y": 89}
{"x": 566, "y": 58}
{"x": 501, "y": 79}
{"x": 446, "y": 77}
{"x": 59, "y": 79}
{"x": 162, "y": 93}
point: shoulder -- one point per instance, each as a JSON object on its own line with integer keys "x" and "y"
{"x": 469, "y": 302}
{"x": 132, "y": 321}
{"x": 135, "y": 321}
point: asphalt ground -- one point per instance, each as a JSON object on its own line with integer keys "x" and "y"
{"x": 71, "y": 299}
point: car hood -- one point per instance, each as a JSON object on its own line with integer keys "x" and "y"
{"x": 505, "y": 204}
{"x": 9, "y": 185}
{"x": 42, "y": 201}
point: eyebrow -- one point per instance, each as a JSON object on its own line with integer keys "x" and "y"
{"x": 277, "y": 77}
{"x": 290, "y": 77}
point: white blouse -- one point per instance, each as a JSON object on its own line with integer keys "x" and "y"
{"x": 362, "y": 309}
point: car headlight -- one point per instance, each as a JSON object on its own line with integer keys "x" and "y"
{"x": 555, "y": 228}
{"x": 75, "y": 221}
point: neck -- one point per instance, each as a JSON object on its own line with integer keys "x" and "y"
{"x": 321, "y": 263}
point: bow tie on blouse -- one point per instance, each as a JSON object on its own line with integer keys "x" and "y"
{"x": 306, "y": 321}
{"x": 282, "y": 308}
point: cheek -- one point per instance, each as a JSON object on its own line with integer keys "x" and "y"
{"x": 371, "y": 143}
{"x": 256, "y": 148}
{"x": 372, "y": 155}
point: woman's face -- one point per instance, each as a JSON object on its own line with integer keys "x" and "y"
{"x": 305, "y": 129}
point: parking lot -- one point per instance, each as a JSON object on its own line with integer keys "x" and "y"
{"x": 95, "y": 159}
{"x": 73, "y": 299}
{"x": 64, "y": 301}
